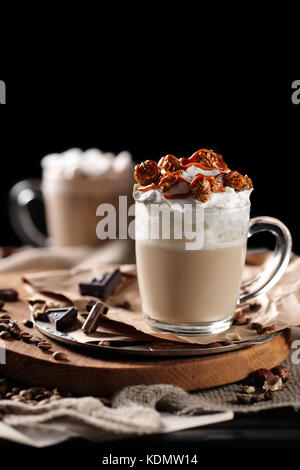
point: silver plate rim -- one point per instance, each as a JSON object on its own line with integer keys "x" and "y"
{"x": 191, "y": 350}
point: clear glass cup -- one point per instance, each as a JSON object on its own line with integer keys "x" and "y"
{"x": 193, "y": 287}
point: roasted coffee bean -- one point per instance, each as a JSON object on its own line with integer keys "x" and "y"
{"x": 5, "y": 334}
{"x": 27, "y": 337}
{"x": 44, "y": 346}
{"x": 39, "y": 397}
{"x": 16, "y": 390}
{"x": 9, "y": 395}
{"x": 37, "y": 390}
{"x": 36, "y": 340}
{"x": 60, "y": 356}
{"x": 4, "y": 316}
{"x": 25, "y": 394}
{"x": 8, "y": 295}
{"x": 28, "y": 323}
{"x": 48, "y": 394}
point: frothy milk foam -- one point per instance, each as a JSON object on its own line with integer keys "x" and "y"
{"x": 74, "y": 184}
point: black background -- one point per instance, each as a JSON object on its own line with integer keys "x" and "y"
{"x": 252, "y": 122}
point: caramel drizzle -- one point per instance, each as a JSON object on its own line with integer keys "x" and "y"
{"x": 147, "y": 188}
{"x": 186, "y": 163}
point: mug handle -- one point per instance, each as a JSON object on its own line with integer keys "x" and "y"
{"x": 279, "y": 262}
{"x": 20, "y": 196}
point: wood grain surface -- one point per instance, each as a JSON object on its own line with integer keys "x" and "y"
{"x": 102, "y": 375}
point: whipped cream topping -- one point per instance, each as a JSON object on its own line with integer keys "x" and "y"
{"x": 92, "y": 163}
{"x": 229, "y": 199}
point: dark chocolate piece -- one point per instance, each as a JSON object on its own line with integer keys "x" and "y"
{"x": 91, "y": 323}
{"x": 90, "y": 305}
{"x": 8, "y": 295}
{"x": 102, "y": 287}
{"x": 62, "y": 318}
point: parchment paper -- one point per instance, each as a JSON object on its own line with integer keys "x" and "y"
{"x": 280, "y": 306}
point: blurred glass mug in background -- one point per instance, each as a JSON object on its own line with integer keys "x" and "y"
{"x": 74, "y": 184}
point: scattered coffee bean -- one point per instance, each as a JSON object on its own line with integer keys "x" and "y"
{"x": 4, "y": 316}
{"x": 25, "y": 394}
{"x": 15, "y": 390}
{"x": 256, "y": 326}
{"x": 44, "y": 346}
{"x": 39, "y": 397}
{"x": 5, "y": 335}
{"x": 26, "y": 337}
{"x": 48, "y": 394}
{"x": 9, "y": 395}
{"x": 8, "y": 295}
{"x": 60, "y": 356}
{"x": 28, "y": 323}
{"x": 36, "y": 390}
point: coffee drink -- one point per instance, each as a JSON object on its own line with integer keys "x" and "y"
{"x": 74, "y": 184}
{"x": 189, "y": 287}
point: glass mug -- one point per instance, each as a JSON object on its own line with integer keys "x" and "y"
{"x": 70, "y": 207}
{"x": 196, "y": 291}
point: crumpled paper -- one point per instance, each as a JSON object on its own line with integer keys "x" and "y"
{"x": 279, "y": 306}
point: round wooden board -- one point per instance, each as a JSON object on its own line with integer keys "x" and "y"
{"x": 91, "y": 375}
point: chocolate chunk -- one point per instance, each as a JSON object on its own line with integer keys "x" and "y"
{"x": 126, "y": 305}
{"x": 91, "y": 323}
{"x": 102, "y": 287}
{"x": 90, "y": 305}
{"x": 62, "y": 318}
{"x": 8, "y": 295}
{"x": 28, "y": 323}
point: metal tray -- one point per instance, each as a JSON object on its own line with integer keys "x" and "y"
{"x": 152, "y": 348}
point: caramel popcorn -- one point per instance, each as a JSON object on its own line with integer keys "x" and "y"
{"x": 167, "y": 181}
{"x": 204, "y": 187}
{"x": 211, "y": 159}
{"x": 169, "y": 163}
{"x": 146, "y": 172}
{"x": 171, "y": 170}
{"x": 237, "y": 181}
{"x": 201, "y": 190}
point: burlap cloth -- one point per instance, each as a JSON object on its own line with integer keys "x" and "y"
{"x": 135, "y": 410}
